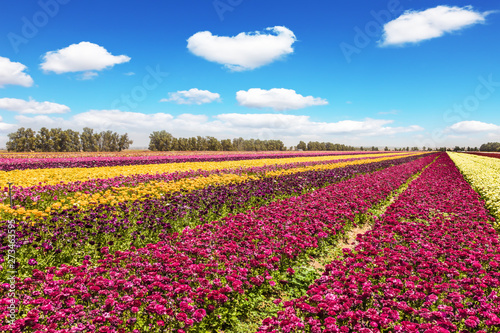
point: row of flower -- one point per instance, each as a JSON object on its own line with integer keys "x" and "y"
{"x": 483, "y": 173}
{"x": 48, "y": 176}
{"x": 9, "y": 164}
{"x": 70, "y": 235}
{"x": 494, "y": 155}
{"x": 136, "y": 153}
{"x": 39, "y": 201}
{"x": 187, "y": 280}
{"x": 430, "y": 264}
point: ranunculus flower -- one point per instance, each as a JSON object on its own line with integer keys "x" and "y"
{"x": 181, "y": 316}
{"x": 199, "y": 314}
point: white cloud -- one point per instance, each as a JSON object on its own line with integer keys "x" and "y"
{"x": 493, "y": 136}
{"x": 279, "y": 99}
{"x": 289, "y": 128}
{"x": 4, "y": 127}
{"x": 82, "y": 57}
{"x": 88, "y": 76}
{"x": 245, "y": 51}
{"x": 192, "y": 96}
{"x": 472, "y": 126}
{"x": 31, "y": 106}
{"x": 13, "y": 73}
{"x": 302, "y": 125}
{"x": 105, "y": 119}
{"x": 129, "y": 73}
{"x": 415, "y": 26}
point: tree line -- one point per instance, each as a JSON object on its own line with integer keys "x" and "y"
{"x": 164, "y": 141}
{"x": 324, "y": 146}
{"x": 59, "y": 140}
{"x": 490, "y": 146}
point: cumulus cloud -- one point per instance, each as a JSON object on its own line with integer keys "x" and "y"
{"x": 104, "y": 119}
{"x": 4, "y": 127}
{"x": 192, "y": 96}
{"x": 302, "y": 125}
{"x": 263, "y": 126}
{"x": 245, "y": 51}
{"x": 416, "y": 26}
{"x": 13, "y": 73}
{"x": 31, "y": 106}
{"x": 472, "y": 126}
{"x": 279, "y": 99}
{"x": 83, "y": 57}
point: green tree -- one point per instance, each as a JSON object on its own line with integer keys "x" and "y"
{"x": 44, "y": 141}
{"x": 160, "y": 141}
{"x": 88, "y": 140}
{"x": 490, "y": 146}
{"x": 183, "y": 144}
{"x": 227, "y": 145}
{"x": 213, "y": 144}
{"x": 302, "y": 146}
{"x": 58, "y": 139}
{"x": 23, "y": 140}
{"x": 72, "y": 141}
{"x": 124, "y": 142}
{"x": 192, "y": 143}
{"x": 201, "y": 143}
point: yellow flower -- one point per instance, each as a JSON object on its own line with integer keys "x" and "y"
{"x": 158, "y": 189}
{"x": 483, "y": 173}
{"x": 54, "y": 176}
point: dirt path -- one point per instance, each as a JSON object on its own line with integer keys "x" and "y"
{"x": 349, "y": 242}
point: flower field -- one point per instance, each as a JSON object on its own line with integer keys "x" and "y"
{"x": 430, "y": 264}
{"x": 51, "y": 189}
{"x": 494, "y": 155}
{"x": 483, "y": 173}
{"x": 205, "y": 243}
{"x": 10, "y": 162}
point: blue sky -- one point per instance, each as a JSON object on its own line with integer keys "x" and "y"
{"x": 396, "y": 73}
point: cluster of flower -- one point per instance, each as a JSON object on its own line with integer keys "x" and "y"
{"x": 483, "y": 173}
{"x": 430, "y": 264}
{"x": 177, "y": 282}
{"x": 36, "y": 201}
{"x": 9, "y": 164}
{"x": 69, "y": 235}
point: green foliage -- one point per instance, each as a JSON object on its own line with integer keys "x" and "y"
{"x": 302, "y": 146}
{"x": 490, "y": 146}
{"x": 324, "y": 146}
{"x": 160, "y": 141}
{"x": 22, "y": 140}
{"x": 59, "y": 140}
{"x": 164, "y": 141}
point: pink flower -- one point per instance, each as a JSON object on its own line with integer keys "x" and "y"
{"x": 199, "y": 314}
{"x": 181, "y": 316}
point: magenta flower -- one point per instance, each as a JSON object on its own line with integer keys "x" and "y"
{"x": 181, "y": 317}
